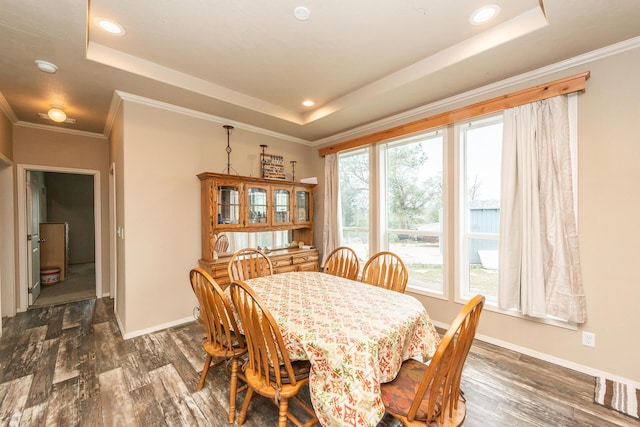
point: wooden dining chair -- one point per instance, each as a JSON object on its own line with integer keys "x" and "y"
{"x": 222, "y": 340}
{"x": 249, "y": 263}
{"x": 429, "y": 395}
{"x": 386, "y": 270}
{"x": 222, "y": 243}
{"x": 343, "y": 262}
{"x": 269, "y": 371}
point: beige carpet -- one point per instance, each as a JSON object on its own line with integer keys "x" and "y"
{"x": 79, "y": 284}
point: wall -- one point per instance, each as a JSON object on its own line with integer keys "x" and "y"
{"x": 609, "y": 230}
{"x": 7, "y": 246}
{"x": 70, "y": 199}
{"x": 163, "y": 151}
{"x": 116, "y": 158}
{"x": 50, "y": 148}
{"x": 6, "y": 138}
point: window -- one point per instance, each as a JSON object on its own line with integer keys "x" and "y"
{"x": 479, "y": 213}
{"x": 395, "y": 196}
{"x": 408, "y": 205}
{"x": 354, "y": 200}
{"x": 413, "y": 206}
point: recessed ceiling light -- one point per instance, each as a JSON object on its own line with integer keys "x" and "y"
{"x": 110, "y": 26}
{"x": 484, "y": 14}
{"x": 302, "y": 13}
{"x": 46, "y": 117}
{"x": 56, "y": 114}
{"x": 308, "y": 103}
{"x": 47, "y": 67}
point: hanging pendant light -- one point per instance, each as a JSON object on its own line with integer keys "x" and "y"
{"x": 229, "y": 129}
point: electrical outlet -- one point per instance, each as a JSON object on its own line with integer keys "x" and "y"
{"x": 589, "y": 339}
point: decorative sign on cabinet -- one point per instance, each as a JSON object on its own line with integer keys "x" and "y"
{"x": 232, "y": 203}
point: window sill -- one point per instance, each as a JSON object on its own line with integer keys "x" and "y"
{"x": 551, "y": 321}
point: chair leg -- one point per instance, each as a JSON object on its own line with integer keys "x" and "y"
{"x": 245, "y": 406}
{"x": 205, "y": 369}
{"x": 282, "y": 416}
{"x": 233, "y": 390}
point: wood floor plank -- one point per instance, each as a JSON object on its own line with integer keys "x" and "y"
{"x": 117, "y": 404}
{"x": 176, "y": 403}
{"x": 68, "y": 359}
{"x": 63, "y": 409}
{"x": 214, "y": 414}
{"x": 13, "y": 398}
{"x": 73, "y": 315}
{"x": 103, "y": 310}
{"x": 39, "y": 317}
{"x": 54, "y": 326}
{"x": 146, "y": 407}
{"x": 107, "y": 346}
{"x": 26, "y": 355}
{"x": 91, "y": 411}
{"x": 35, "y": 415}
{"x": 185, "y": 369}
{"x": 152, "y": 349}
{"x": 41, "y": 387}
{"x": 189, "y": 339}
{"x": 88, "y": 383}
{"x": 135, "y": 371}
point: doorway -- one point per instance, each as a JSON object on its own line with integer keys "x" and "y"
{"x": 71, "y": 198}
{"x": 68, "y": 240}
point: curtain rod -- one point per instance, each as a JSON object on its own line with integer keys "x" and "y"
{"x": 575, "y": 83}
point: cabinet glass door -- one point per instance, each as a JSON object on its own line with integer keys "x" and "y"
{"x": 257, "y": 205}
{"x": 228, "y": 204}
{"x": 281, "y": 206}
{"x": 303, "y": 206}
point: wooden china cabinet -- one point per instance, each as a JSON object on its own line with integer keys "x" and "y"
{"x": 232, "y": 203}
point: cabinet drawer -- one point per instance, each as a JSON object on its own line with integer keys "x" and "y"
{"x": 306, "y": 258}
{"x": 284, "y": 269}
{"x": 308, "y": 266}
{"x": 281, "y": 262}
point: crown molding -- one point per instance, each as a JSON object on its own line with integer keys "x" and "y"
{"x": 425, "y": 110}
{"x": 197, "y": 114}
{"x": 60, "y": 130}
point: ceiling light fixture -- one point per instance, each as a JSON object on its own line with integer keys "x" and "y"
{"x": 308, "y": 103}
{"x": 110, "y": 26}
{"x": 56, "y": 114}
{"x": 302, "y": 13}
{"x": 46, "y": 67}
{"x": 484, "y": 14}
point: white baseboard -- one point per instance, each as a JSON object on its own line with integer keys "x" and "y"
{"x": 152, "y": 329}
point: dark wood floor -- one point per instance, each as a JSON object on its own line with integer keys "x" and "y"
{"x": 68, "y": 365}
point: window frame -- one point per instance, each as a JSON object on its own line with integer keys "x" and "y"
{"x": 462, "y": 213}
{"x": 378, "y": 231}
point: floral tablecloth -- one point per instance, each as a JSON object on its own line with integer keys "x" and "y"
{"x": 355, "y": 335}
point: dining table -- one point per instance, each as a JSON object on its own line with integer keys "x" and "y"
{"x": 355, "y": 336}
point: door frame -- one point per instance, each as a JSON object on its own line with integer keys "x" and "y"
{"x": 21, "y": 176}
{"x": 113, "y": 238}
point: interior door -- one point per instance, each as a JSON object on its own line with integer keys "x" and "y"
{"x": 33, "y": 239}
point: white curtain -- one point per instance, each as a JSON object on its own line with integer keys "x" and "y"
{"x": 332, "y": 218}
{"x": 539, "y": 260}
